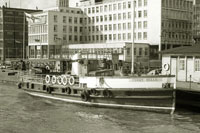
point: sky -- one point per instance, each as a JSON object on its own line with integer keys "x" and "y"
{"x": 30, "y": 4}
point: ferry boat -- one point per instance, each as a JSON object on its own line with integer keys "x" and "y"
{"x": 102, "y": 88}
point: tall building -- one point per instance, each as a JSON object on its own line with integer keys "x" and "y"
{"x": 196, "y": 22}
{"x": 11, "y": 33}
{"x": 160, "y": 24}
{"x": 55, "y": 27}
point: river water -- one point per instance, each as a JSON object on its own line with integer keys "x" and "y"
{"x": 22, "y": 113}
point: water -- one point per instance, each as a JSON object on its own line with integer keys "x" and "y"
{"x": 22, "y": 113}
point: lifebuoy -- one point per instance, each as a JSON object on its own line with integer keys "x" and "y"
{"x": 71, "y": 80}
{"x": 53, "y": 80}
{"x": 84, "y": 96}
{"x": 47, "y": 67}
{"x": 64, "y": 80}
{"x": 93, "y": 91}
{"x": 68, "y": 90}
{"x": 107, "y": 93}
{"x": 47, "y": 79}
{"x": 59, "y": 80}
{"x": 166, "y": 67}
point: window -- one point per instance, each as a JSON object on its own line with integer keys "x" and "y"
{"x": 105, "y": 8}
{"x": 105, "y": 28}
{"x": 114, "y": 17}
{"x": 110, "y": 17}
{"x": 129, "y": 4}
{"x": 139, "y": 14}
{"x": 55, "y": 18}
{"x": 64, "y": 19}
{"x": 110, "y": 7}
{"x": 119, "y": 26}
{"x": 55, "y": 37}
{"x": 110, "y": 27}
{"x": 124, "y": 36}
{"x": 145, "y": 24}
{"x": 75, "y": 20}
{"x": 129, "y": 15}
{"x": 55, "y": 28}
{"x": 110, "y": 37}
{"x": 97, "y": 9}
{"x": 64, "y": 28}
{"x": 70, "y": 29}
{"x": 89, "y": 10}
{"x": 97, "y": 18}
{"x": 119, "y": 16}
{"x": 105, "y": 17}
{"x": 65, "y": 37}
{"x": 128, "y": 51}
{"x": 93, "y": 10}
{"x": 139, "y": 3}
{"x": 182, "y": 64}
{"x": 129, "y": 36}
{"x": 70, "y": 19}
{"x": 101, "y": 18}
{"x": 124, "y": 5}
{"x": 139, "y": 35}
{"x": 145, "y": 2}
{"x": 146, "y": 51}
{"x": 81, "y": 20}
{"x": 119, "y": 6}
{"x": 145, "y": 13}
{"x": 140, "y": 51}
{"x": 114, "y": 27}
{"x": 105, "y": 37}
{"x": 129, "y": 26}
{"x": 124, "y": 16}
{"x": 101, "y": 8}
{"x": 124, "y": 26}
{"x": 197, "y": 64}
{"x": 114, "y": 36}
{"x": 114, "y": 6}
{"x": 119, "y": 37}
{"x": 139, "y": 25}
{"x": 145, "y": 35}
{"x": 75, "y": 29}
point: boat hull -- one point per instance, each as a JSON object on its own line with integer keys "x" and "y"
{"x": 154, "y": 99}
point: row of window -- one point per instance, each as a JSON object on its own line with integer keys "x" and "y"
{"x": 177, "y": 24}
{"x": 106, "y": 37}
{"x": 184, "y": 4}
{"x": 109, "y": 27}
{"x": 196, "y": 64}
{"x": 115, "y": 7}
{"x": 37, "y": 29}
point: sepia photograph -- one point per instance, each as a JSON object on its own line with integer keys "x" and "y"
{"x": 99, "y": 66}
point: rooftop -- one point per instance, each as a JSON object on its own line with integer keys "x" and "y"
{"x": 183, "y": 50}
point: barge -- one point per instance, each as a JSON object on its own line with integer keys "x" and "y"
{"x": 104, "y": 89}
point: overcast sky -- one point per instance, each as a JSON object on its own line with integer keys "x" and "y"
{"x": 31, "y": 4}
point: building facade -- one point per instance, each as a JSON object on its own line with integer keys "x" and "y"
{"x": 11, "y": 33}
{"x": 196, "y": 22}
{"x": 184, "y": 62}
{"x": 160, "y": 24}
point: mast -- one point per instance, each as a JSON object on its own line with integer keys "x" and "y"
{"x": 24, "y": 26}
{"x": 132, "y": 47}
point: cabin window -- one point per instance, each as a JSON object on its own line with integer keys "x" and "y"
{"x": 182, "y": 64}
{"x": 197, "y": 64}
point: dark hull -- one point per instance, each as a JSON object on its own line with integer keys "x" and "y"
{"x": 186, "y": 98}
{"x": 158, "y": 100}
